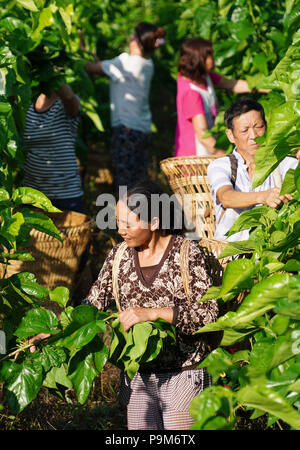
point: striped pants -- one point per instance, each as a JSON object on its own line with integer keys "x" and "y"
{"x": 161, "y": 401}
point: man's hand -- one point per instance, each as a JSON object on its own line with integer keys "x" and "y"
{"x": 272, "y": 198}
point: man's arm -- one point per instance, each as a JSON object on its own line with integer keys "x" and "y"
{"x": 229, "y": 198}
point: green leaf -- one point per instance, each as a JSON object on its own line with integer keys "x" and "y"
{"x": 280, "y": 324}
{"x": 238, "y": 248}
{"x": 231, "y": 336}
{"x": 288, "y": 309}
{"x": 82, "y": 336}
{"x": 237, "y": 276}
{"x": 141, "y": 333}
{"x": 89, "y": 108}
{"x": 45, "y": 20}
{"x": 297, "y": 177}
{"x": 25, "y": 195}
{"x": 60, "y": 295}
{"x": 263, "y": 297}
{"x": 58, "y": 375}
{"x": 10, "y": 227}
{"x": 84, "y": 367}
{"x": 52, "y": 356}
{"x": 248, "y": 219}
{"x": 35, "y": 321}
{"x": 210, "y": 402}
{"x": 22, "y": 383}
{"x": 204, "y": 17}
{"x": 41, "y": 222}
{"x": 275, "y": 147}
{"x": 260, "y": 61}
{"x": 218, "y": 361}
{"x": 66, "y": 14}
{"x": 293, "y": 265}
{"x": 26, "y": 282}
{"x": 18, "y": 256}
{"x": 288, "y": 185}
{"x": 28, "y": 4}
{"x": 266, "y": 399}
{"x": 211, "y": 293}
{"x": 84, "y": 314}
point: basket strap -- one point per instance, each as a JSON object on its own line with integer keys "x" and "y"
{"x": 233, "y": 165}
{"x": 184, "y": 265}
{"x": 115, "y": 272}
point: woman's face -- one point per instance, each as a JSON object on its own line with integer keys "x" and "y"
{"x": 134, "y": 231}
{"x": 209, "y": 63}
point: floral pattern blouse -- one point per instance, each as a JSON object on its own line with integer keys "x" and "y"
{"x": 164, "y": 289}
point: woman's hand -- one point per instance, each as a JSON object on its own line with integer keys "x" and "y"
{"x": 34, "y": 340}
{"x": 132, "y": 315}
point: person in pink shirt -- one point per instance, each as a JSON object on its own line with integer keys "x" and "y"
{"x": 196, "y": 98}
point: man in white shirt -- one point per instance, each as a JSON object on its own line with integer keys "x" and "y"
{"x": 245, "y": 121}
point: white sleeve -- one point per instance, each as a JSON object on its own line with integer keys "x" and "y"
{"x": 113, "y": 68}
{"x": 219, "y": 174}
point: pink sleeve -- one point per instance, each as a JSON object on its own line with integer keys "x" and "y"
{"x": 215, "y": 77}
{"x": 192, "y": 104}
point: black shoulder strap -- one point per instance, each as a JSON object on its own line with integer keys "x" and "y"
{"x": 233, "y": 163}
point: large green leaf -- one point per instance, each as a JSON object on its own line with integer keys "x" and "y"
{"x": 28, "y": 4}
{"x": 26, "y": 283}
{"x": 237, "y": 276}
{"x": 248, "y": 219}
{"x": 82, "y": 335}
{"x": 22, "y": 383}
{"x": 208, "y": 404}
{"x": 58, "y": 375}
{"x": 41, "y": 222}
{"x": 60, "y": 295}
{"x": 35, "y": 321}
{"x": 266, "y": 399}
{"x": 261, "y": 299}
{"x": 276, "y": 145}
{"x": 10, "y": 227}
{"x": 25, "y": 195}
{"x": 84, "y": 367}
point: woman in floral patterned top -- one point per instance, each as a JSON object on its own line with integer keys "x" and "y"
{"x": 150, "y": 287}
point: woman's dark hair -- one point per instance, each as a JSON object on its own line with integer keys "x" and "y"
{"x": 193, "y": 54}
{"x": 147, "y": 35}
{"x": 147, "y": 200}
{"x": 242, "y": 106}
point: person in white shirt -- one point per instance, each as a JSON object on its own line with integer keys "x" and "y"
{"x": 245, "y": 121}
{"x": 130, "y": 77}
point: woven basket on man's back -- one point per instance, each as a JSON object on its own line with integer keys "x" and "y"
{"x": 188, "y": 175}
{"x": 56, "y": 263}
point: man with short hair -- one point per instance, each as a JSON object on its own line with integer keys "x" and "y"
{"x": 233, "y": 193}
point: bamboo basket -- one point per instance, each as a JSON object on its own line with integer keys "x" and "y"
{"x": 188, "y": 175}
{"x": 212, "y": 249}
{"x": 56, "y": 263}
